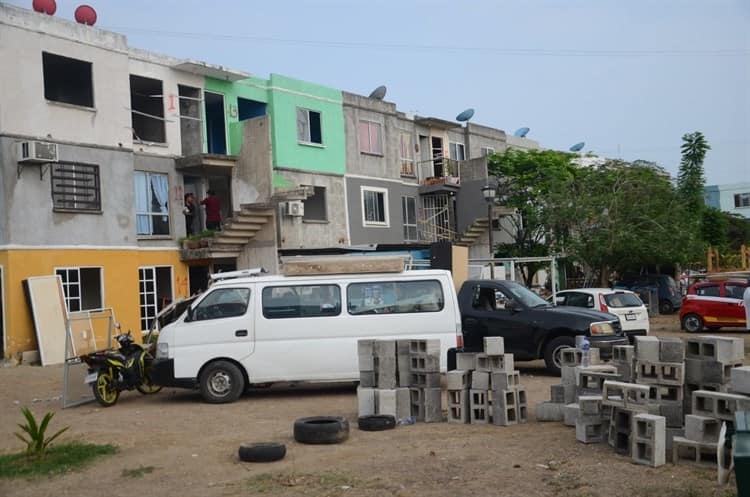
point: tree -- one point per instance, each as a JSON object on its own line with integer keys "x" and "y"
{"x": 691, "y": 180}
{"x": 714, "y": 227}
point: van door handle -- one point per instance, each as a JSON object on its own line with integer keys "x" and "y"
{"x": 240, "y": 333}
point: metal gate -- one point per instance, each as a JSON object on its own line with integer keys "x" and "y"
{"x": 435, "y": 218}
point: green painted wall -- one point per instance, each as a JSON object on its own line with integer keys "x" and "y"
{"x": 283, "y": 95}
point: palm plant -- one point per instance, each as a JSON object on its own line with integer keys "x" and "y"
{"x": 35, "y": 439}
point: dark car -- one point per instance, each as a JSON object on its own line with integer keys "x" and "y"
{"x": 531, "y": 327}
{"x": 670, "y": 299}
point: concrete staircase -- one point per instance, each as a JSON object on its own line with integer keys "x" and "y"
{"x": 239, "y": 229}
{"x": 473, "y": 233}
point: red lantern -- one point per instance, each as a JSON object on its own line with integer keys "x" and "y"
{"x": 48, "y": 7}
{"x": 85, "y": 14}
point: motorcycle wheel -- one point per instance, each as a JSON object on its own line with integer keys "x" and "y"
{"x": 148, "y": 388}
{"x": 105, "y": 391}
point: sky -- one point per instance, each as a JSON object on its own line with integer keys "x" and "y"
{"x": 627, "y": 78}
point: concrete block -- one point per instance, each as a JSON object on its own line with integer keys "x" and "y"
{"x": 664, "y": 394}
{"x": 647, "y": 348}
{"x": 623, "y": 353}
{"x": 466, "y": 361}
{"x": 589, "y": 433}
{"x": 671, "y": 350}
{"x": 702, "y": 428}
{"x": 500, "y": 380}
{"x": 458, "y": 406}
{"x": 367, "y": 379}
{"x": 403, "y": 366}
{"x": 740, "y": 380}
{"x": 662, "y": 373}
{"x": 549, "y": 411}
{"x": 595, "y": 357}
{"x": 386, "y": 402}
{"x": 557, "y": 393}
{"x": 433, "y": 405}
{"x": 424, "y": 363}
{"x": 483, "y": 362}
{"x": 501, "y": 363}
{"x": 671, "y": 434}
{"x": 620, "y": 427}
{"x": 717, "y": 371}
{"x": 504, "y": 407}
{"x": 693, "y": 371}
{"x": 571, "y": 357}
{"x": 568, "y": 375}
{"x": 522, "y": 410}
{"x": 625, "y": 395}
{"x": 458, "y": 379}
{"x": 648, "y": 439}
{"x": 592, "y": 383}
{"x": 480, "y": 380}
{"x": 570, "y": 414}
{"x": 673, "y": 413}
{"x": 385, "y": 348}
{"x": 366, "y": 400}
{"x": 429, "y": 347}
{"x": 690, "y": 451}
{"x": 403, "y": 403}
{"x": 718, "y": 404}
{"x": 479, "y": 403}
{"x": 593, "y": 369}
{"x": 716, "y": 348}
{"x": 625, "y": 370}
{"x": 424, "y": 380}
{"x": 571, "y": 393}
{"x": 366, "y": 354}
{"x": 416, "y": 397}
{"x": 385, "y": 369}
{"x": 590, "y": 405}
{"x": 494, "y": 346}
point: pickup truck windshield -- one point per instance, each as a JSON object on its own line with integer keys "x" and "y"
{"x": 525, "y": 296}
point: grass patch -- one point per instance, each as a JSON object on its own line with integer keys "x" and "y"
{"x": 137, "y": 472}
{"x": 59, "y": 459}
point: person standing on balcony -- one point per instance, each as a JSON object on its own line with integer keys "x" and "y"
{"x": 189, "y": 212}
{"x": 213, "y": 210}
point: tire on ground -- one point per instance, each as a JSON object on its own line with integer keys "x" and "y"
{"x": 321, "y": 430}
{"x": 262, "y": 452}
{"x": 376, "y": 422}
{"x": 551, "y": 349}
{"x": 221, "y": 382}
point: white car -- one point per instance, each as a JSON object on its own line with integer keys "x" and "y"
{"x": 624, "y": 304}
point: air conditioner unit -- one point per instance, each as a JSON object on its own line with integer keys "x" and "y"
{"x": 37, "y": 152}
{"x": 295, "y": 208}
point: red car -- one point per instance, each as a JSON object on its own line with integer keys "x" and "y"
{"x": 714, "y": 305}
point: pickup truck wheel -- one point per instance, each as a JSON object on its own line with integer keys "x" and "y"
{"x": 221, "y": 382}
{"x": 553, "y": 353}
{"x": 692, "y": 323}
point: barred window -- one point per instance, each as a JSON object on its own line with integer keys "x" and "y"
{"x": 76, "y": 187}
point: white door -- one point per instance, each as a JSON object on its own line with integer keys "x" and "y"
{"x": 219, "y": 326}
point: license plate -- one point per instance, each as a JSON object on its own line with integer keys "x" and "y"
{"x": 630, "y": 317}
{"x": 90, "y": 378}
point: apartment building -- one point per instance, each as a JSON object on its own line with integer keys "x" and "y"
{"x": 733, "y": 198}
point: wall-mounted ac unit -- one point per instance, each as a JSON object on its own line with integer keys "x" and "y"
{"x": 37, "y": 152}
{"x": 294, "y": 208}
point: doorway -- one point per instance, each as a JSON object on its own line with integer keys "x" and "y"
{"x": 216, "y": 134}
{"x": 220, "y": 185}
{"x": 190, "y": 120}
{"x": 437, "y": 156}
{"x": 192, "y": 184}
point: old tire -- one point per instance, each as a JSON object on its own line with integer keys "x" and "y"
{"x": 221, "y": 382}
{"x": 666, "y": 307}
{"x": 321, "y": 430}
{"x": 552, "y": 353}
{"x": 692, "y": 323}
{"x": 262, "y": 452}
{"x": 376, "y": 422}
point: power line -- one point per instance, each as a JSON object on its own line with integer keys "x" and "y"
{"x": 538, "y": 52}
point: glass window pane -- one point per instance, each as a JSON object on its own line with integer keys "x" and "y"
{"x": 223, "y": 303}
{"x": 316, "y": 133}
{"x": 364, "y": 137}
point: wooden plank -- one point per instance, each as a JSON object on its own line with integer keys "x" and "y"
{"x": 298, "y": 266}
{"x": 50, "y": 317}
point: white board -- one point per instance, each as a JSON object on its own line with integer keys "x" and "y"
{"x": 50, "y": 317}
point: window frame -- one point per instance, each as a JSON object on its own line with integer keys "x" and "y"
{"x": 407, "y": 162}
{"x": 193, "y": 312}
{"x": 63, "y": 197}
{"x": 308, "y": 139}
{"x": 149, "y": 319}
{"x": 486, "y": 151}
{"x": 150, "y": 214}
{"x": 404, "y": 212}
{"x": 61, "y": 102}
{"x": 370, "y": 124}
{"x": 337, "y": 306}
{"x": 741, "y": 200}
{"x": 386, "y": 215}
{"x": 453, "y": 150}
{"x": 325, "y": 205}
{"x": 65, "y": 285}
{"x": 396, "y": 306}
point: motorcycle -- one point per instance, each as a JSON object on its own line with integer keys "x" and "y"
{"x": 112, "y": 371}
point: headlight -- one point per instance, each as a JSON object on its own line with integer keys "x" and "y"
{"x": 162, "y": 350}
{"x": 602, "y": 328}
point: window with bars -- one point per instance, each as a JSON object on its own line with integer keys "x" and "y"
{"x": 374, "y": 206}
{"x": 409, "y": 216}
{"x": 370, "y": 138}
{"x": 151, "y": 203}
{"x": 75, "y": 187}
{"x": 82, "y": 287}
{"x": 155, "y": 290}
{"x": 407, "y": 155}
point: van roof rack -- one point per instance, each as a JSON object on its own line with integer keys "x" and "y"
{"x": 237, "y": 274}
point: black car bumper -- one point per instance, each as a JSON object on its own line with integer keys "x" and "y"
{"x": 605, "y": 344}
{"x": 162, "y": 373}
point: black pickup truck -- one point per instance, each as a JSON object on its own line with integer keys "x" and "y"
{"x": 532, "y": 328}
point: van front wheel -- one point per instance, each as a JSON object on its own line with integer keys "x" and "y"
{"x": 221, "y": 382}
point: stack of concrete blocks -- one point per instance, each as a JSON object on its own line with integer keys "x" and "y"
{"x": 709, "y": 361}
{"x": 589, "y": 426}
{"x": 485, "y": 389}
{"x": 623, "y": 358}
{"x": 424, "y": 379}
{"x": 660, "y": 364}
{"x": 623, "y": 402}
{"x": 383, "y": 385}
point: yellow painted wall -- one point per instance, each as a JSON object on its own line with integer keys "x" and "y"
{"x": 120, "y": 284}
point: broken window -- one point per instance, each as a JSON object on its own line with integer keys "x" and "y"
{"x": 308, "y": 126}
{"x": 151, "y": 203}
{"x": 191, "y": 123}
{"x": 67, "y": 80}
{"x": 75, "y": 187}
{"x": 315, "y": 205}
{"x": 147, "y": 109}
{"x": 82, "y": 287}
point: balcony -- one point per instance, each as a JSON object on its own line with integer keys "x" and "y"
{"x": 207, "y": 164}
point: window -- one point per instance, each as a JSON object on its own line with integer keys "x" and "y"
{"x": 309, "y": 129}
{"x": 82, "y": 287}
{"x": 370, "y": 138}
{"x": 147, "y": 109}
{"x": 742, "y": 200}
{"x": 67, "y": 80}
{"x": 734, "y": 290}
{"x": 456, "y": 151}
{"x": 619, "y": 300}
{"x": 151, "y": 203}
{"x": 75, "y": 187}
{"x": 708, "y": 291}
{"x": 155, "y": 288}
{"x": 222, "y": 303}
{"x": 280, "y": 302}
{"x": 398, "y": 297}
{"x": 487, "y": 151}
{"x": 375, "y": 206}
{"x": 409, "y": 217}
{"x": 407, "y": 155}
{"x": 315, "y": 205}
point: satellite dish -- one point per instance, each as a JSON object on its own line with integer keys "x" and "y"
{"x": 465, "y": 115}
{"x": 577, "y": 147}
{"x": 521, "y": 132}
{"x": 378, "y": 93}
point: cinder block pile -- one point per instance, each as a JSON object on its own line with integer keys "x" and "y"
{"x": 400, "y": 378}
{"x": 485, "y": 388}
{"x": 709, "y": 361}
{"x": 660, "y": 364}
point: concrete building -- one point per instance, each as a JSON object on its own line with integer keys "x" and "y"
{"x": 733, "y": 198}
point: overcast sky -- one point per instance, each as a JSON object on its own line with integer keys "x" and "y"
{"x": 628, "y": 78}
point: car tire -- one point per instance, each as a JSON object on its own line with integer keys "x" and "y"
{"x": 692, "y": 323}
{"x": 321, "y": 430}
{"x": 376, "y": 422}
{"x": 552, "y": 353}
{"x": 262, "y": 452}
{"x": 221, "y": 382}
{"x": 666, "y": 307}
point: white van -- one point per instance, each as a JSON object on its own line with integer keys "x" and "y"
{"x": 266, "y": 329}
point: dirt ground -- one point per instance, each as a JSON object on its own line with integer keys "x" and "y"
{"x": 192, "y": 448}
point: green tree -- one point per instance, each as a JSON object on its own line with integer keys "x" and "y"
{"x": 691, "y": 180}
{"x": 714, "y": 227}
